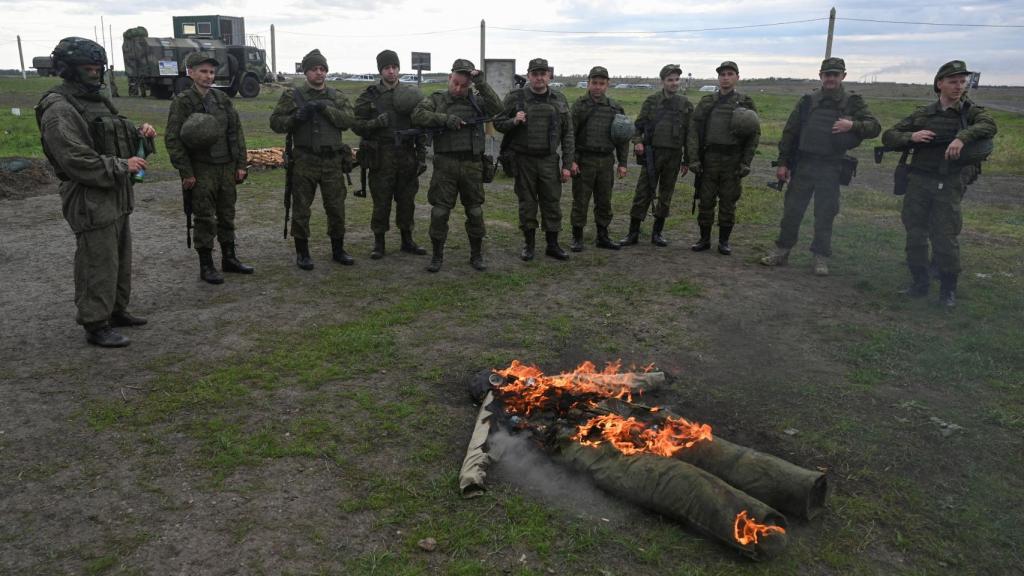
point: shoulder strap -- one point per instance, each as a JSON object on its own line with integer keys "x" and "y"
{"x": 299, "y": 99}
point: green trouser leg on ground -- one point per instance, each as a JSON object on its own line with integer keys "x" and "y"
{"x": 666, "y": 163}
{"x": 538, "y": 184}
{"x": 596, "y": 178}
{"x": 394, "y": 179}
{"x": 933, "y": 213}
{"x": 213, "y": 205}
{"x": 456, "y": 178}
{"x": 818, "y": 179}
{"x": 103, "y": 272}
{"x": 721, "y": 185}
{"x": 308, "y": 172}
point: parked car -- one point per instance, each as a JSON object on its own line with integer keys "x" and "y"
{"x": 621, "y": 86}
{"x": 708, "y": 88}
{"x": 361, "y": 78}
{"x": 556, "y": 85}
{"x": 409, "y": 79}
{"x": 643, "y": 86}
{"x": 581, "y": 84}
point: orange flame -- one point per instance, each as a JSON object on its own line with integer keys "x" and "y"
{"x": 531, "y": 390}
{"x": 629, "y": 436}
{"x": 747, "y": 530}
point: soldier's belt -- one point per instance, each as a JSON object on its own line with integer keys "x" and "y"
{"x": 459, "y": 155}
{"x": 583, "y": 152}
{"x": 724, "y": 148}
{"x": 325, "y": 152}
{"x": 936, "y": 174}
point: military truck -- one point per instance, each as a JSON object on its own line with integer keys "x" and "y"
{"x": 43, "y": 66}
{"x": 158, "y": 64}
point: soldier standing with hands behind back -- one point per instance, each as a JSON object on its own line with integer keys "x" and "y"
{"x": 206, "y": 144}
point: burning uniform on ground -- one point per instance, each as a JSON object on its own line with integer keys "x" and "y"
{"x": 458, "y": 173}
{"x": 536, "y": 121}
{"x": 315, "y": 115}
{"x": 943, "y": 135}
{"x": 823, "y": 126}
{"x": 660, "y": 144}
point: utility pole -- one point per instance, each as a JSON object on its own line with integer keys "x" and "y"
{"x": 103, "y": 30}
{"x": 21, "y": 58}
{"x": 273, "y": 52}
{"x": 110, "y": 27}
{"x": 483, "y": 51}
{"x": 831, "y": 31}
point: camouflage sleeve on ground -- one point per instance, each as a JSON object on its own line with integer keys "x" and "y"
{"x": 864, "y": 122}
{"x": 425, "y": 115}
{"x": 981, "y": 125}
{"x": 176, "y": 116}
{"x": 750, "y": 146}
{"x": 790, "y": 133}
{"x": 281, "y": 120}
{"x": 363, "y": 114}
{"x": 504, "y": 122}
{"x": 236, "y": 136}
{"x": 899, "y": 135}
{"x": 68, "y": 143}
{"x": 568, "y": 134}
{"x": 340, "y": 115}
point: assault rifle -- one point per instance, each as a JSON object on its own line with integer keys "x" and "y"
{"x": 289, "y": 165}
{"x": 186, "y": 201}
{"x": 401, "y": 135}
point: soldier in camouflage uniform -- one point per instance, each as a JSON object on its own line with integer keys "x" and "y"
{"x": 596, "y": 155}
{"x": 720, "y": 157}
{"x": 315, "y": 115}
{"x": 537, "y": 121}
{"x": 938, "y": 133}
{"x": 210, "y": 173}
{"x": 394, "y": 167}
{"x": 661, "y": 131}
{"x": 93, "y": 151}
{"x": 822, "y": 127}
{"x": 457, "y": 155}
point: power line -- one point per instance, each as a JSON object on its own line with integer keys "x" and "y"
{"x": 932, "y": 23}
{"x": 680, "y": 31}
{"x": 280, "y": 31}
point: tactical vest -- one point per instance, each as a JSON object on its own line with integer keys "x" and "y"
{"x": 594, "y": 134}
{"x": 385, "y": 105}
{"x": 946, "y": 124}
{"x": 467, "y": 139}
{"x": 817, "y": 116}
{"x": 542, "y": 125}
{"x": 110, "y": 133}
{"x": 318, "y": 133}
{"x": 215, "y": 104}
{"x": 667, "y": 130}
{"x": 720, "y": 120}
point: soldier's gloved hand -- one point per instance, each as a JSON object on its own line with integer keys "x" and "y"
{"x": 421, "y": 168}
{"x": 318, "y": 105}
{"x": 453, "y": 122}
{"x": 382, "y": 120}
{"x": 743, "y": 171}
{"x": 302, "y": 114}
{"x": 695, "y": 167}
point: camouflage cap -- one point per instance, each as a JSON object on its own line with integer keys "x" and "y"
{"x": 314, "y": 58}
{"x": 670, "y": 69}
{"x": 598, "y": 72}
{"x": 196, "y": 58}
{"x": 727, "y": 65}
{"x": 833, "y": 65}
{"x": 463, "y": 65}
{"x": 951, "y": 68}
{"x": 538, "y": 64}
{"x": 387, "y": 58}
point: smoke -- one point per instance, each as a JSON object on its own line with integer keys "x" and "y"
{"x": 519, "y": 462}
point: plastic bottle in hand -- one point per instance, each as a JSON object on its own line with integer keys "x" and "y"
{"x": 141, "y": 153}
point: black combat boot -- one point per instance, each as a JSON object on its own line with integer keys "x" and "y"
{"x": 476, "y": 254}
{"x": 604, "y": 241}
{"x": 947, "y": 290}
{"x": 577, "y": 239}
{"x": 229, "y": 262}
{"x": 124, "y": 319}
{"x": 106, "y": 337}
{"x": 705, "y": 239}
{"x": 723, "y": 240}
{"x": 553, "y": 249}
{"x": 338, "y": 253}
{"x": 207, "y": 272}
{"x": 438, "y": 257}
{"x": 656, "y": 238}
{"x": 920, "y": 283}
{"x": 302, "y": 258}
{"x": 529, "y": 243}
{"x": 633, "y": 236}
{"x": 378, "y": 246}
{"x": 410, "y": 246}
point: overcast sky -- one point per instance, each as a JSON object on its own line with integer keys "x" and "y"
{"x": 351, "y": 32}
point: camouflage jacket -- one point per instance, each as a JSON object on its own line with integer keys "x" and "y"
{"x": 698, "y": 123}
{"x": 865, "y": 125}
{"x": 521, "y": 98}
{"x": 581, "y": 110}
{"x": 338, "y": 111}
{"x": 980, "y": 124}
{"x": 652, "y": 109}
{"x": 183, "y": 105}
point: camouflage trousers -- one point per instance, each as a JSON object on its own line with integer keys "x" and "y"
{"x": 213, "y": 204}
{"x": 666, "y": 170}
{"x": 596, "y": 178}
{"x": 456, "y": 177}
{"x": 103, "y": 272}
{"x": 309, "y": 171}
{"x": 720, "y": 184}
{"x": 817, "y": 178}
{"x": 931, "y": 211}
{"x": 538, "y": 184}
{"x": 393, "y": 179}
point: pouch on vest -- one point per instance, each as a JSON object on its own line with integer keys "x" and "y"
{"x": 847, "y": 170}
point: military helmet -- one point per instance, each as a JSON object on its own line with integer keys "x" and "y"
{"x": 975, "y": 151}
{"x": 200, "y": 131}
{"x": 406, "y": 98}
{"x": 744, "y": 122}
{"x": 621, "y": 129}
{"x": 75, "y": 51}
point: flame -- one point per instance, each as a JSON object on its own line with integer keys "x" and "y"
{"x": 629, "y": 436}
{"x": 747, "y": 530}
{"x": 528, "y": 389}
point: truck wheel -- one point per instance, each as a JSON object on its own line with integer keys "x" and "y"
{"x": 249, "y": 87}
{"x": 182, "y": 84}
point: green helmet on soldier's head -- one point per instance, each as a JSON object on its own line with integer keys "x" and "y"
{"x": 622, "y": 129}
{"x": 200, "y": 131}
{"x": 744, "y": 122}
{"x": 406, "y": 98}
{"x": 72, "y": 52}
